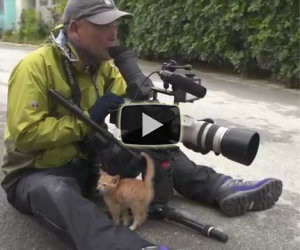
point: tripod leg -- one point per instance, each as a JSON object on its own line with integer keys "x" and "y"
{"x": 163, "y": 211}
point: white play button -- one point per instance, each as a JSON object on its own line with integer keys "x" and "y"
{"x": 149, "y": 124}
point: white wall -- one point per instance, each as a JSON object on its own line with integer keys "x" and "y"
{"x": 18, "y": 11}
{"x": 39, "y": 5}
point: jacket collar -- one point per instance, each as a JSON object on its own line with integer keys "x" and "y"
{"x": 59, "y": 38}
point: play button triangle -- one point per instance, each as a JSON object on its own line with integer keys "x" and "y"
{"x": 149, "y": 124}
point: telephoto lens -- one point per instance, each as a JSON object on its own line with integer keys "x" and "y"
{"x": 236, "y": 144}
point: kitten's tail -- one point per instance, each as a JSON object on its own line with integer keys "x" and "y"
{"x": 150, "y": 169}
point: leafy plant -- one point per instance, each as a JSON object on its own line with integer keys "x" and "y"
{"x": 56, "y": 10}
{"x": 31, "y": 29}
{"x": 246, "y": 35}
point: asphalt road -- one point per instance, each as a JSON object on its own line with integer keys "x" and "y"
{"x": 231, "y": 101}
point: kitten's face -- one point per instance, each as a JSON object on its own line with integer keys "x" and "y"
{"x": 107, "y": 182}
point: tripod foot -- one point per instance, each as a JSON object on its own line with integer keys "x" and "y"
{"x": 217, "y": 234}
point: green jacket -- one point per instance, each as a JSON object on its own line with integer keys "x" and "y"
{"x": 40, "y": 133}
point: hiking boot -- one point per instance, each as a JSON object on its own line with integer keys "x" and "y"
{"x": 235, "y": 197}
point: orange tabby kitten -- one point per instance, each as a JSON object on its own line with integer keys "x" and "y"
{"x": 128, "y": 193}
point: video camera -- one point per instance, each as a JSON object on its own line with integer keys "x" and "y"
{"x": 202, "y": 136}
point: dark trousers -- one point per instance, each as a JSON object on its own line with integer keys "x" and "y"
{"x": 55, "y": 197}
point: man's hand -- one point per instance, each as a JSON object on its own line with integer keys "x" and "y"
{"x": 104, "y": 105}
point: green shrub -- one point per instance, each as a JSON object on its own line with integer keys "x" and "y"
{"x": 247, "y": 35}
{"x": 10, "y": 36}
{"x": 31, "y": 29}
{"x": 56, "y": 10}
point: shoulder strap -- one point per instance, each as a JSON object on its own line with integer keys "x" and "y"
{"x": 71, "y": 80}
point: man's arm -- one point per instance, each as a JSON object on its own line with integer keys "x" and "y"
{"x": 29, "y": 120}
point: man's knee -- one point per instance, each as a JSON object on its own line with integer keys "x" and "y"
{"x": 53, "y": 188}
{"x": 39, "y": 190}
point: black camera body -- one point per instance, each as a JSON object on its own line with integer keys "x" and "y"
{"x": 237, "y": 144}
{"x": 202, "y": 136}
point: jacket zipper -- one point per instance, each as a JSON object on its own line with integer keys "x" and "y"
{"x": 94, "y": 82}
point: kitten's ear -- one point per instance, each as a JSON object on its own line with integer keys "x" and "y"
{"x": 116, "y": 179}
{"x": 102, "y": 172}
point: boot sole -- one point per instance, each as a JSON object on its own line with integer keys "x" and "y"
{"x": 261, "y": 198}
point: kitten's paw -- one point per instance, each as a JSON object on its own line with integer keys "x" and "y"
{"x": 132, "y": 227}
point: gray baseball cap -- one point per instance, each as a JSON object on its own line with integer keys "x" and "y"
{"x": 95, "y": 11}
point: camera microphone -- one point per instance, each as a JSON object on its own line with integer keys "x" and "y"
{"x": 183, "y": 83}
{"x": 138, "y": 87}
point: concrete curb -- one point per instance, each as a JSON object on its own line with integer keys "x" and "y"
{"x": 19, "y": 44}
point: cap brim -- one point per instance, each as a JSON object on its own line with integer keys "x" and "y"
{"x": 107, "y": 16}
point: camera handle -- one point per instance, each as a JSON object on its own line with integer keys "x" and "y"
{"x": 179, "y": 95}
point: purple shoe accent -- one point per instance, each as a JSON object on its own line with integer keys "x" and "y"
{"x": 227, "y": 177}
{"x": 249, "y": 187}
{"x": 156, "y": 248}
